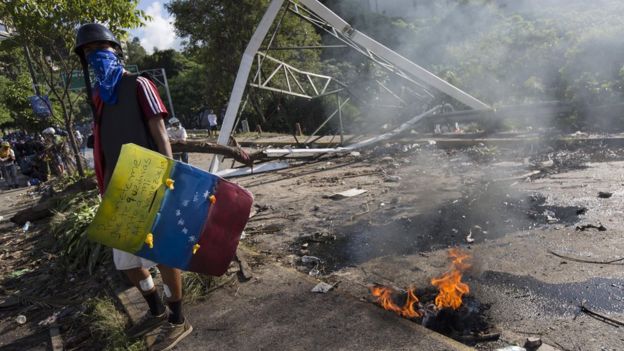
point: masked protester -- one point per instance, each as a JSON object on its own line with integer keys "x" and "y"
{"x": 177, "y": 135}
{"x": 7, "y": 163}
{"x": 127, "y": 108}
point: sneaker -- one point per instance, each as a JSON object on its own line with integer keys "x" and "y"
{"x": 146, "y": 324}
{"x": 170, "y": 335}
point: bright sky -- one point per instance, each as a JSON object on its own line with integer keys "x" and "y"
{"x": 159, "y": 32}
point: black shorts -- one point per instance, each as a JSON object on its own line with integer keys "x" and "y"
{"x": 213, "y": 127}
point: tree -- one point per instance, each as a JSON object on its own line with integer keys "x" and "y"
{"x": 172, "y": 61}
{"x": 135, "y": 52}
{"x": 15, "y": 88}
{"x": 218, "y": 32}
{"x": 187, "y": 90}
{"x": 47, "y": 29}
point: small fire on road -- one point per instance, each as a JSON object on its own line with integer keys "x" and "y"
{"x": 450, "y": 290}
{"x": 449, "y": 312}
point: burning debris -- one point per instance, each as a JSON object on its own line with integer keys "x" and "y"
{"x": 449, "y": 284}
{"x": 449, "y": 311}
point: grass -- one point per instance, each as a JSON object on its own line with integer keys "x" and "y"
{"x": 72, "y": 216}
{"x": 107, "y": 327}
{"x": 197, "y": 287}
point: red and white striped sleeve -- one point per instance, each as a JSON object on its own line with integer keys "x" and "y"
{"x": 149, "y": 99}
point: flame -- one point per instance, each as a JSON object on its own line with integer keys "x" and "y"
{"x": 384, "y": 298}
{"x": 451, "y": 289}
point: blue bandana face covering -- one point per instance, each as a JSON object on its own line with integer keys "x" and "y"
{"x": 108, "y": 71}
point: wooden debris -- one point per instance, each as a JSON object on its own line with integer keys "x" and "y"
{"x": 519, "y": 177}
{"x": 245, "y": 270}
{"x": 584, "y": 227}
{"x": 585, "y": 261}
{"x": 213, "y": 148}
{"x": 31, "y": 214}
{"x": 613, "y": 322}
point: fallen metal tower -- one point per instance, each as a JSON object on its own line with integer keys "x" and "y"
{"x": 424, "y": 82}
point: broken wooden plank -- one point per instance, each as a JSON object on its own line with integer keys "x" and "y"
{"x": 213, "y": 148}
{"x": 245, "y": 270}
{"x": 585, "y": 261}
{"x": 519, "y": 177}
{"x": 613, "y": 322}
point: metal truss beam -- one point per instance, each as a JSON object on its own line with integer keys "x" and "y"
{"x": 243, "y": 75}
{"x": 321, "y": 16}
{"x": 305, "y": 89}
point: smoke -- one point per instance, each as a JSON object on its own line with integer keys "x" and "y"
{"x": 505, "y": 52}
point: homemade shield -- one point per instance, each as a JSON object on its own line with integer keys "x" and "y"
{"x": 171, "y": 213}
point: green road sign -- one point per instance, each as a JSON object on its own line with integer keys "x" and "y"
{"x": 77, "y": 78}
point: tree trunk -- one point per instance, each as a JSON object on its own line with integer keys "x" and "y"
{"x": 72, "y": 142}
{"x": 213, "y": 148}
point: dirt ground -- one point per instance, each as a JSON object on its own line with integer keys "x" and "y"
{"x": 516, "y": 211}
{"x": 421, "y": 200}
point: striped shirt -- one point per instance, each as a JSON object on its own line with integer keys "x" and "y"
{"x": 151, "y": 106}
{"x": 149, "y": 100}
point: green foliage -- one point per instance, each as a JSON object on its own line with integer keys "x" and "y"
{"x": 218, "y": 32}
{"x": 107, "y": 327}
{"x": 187, "y": 92}
{"x": 135, "y": 52}
{"x": 47, "y": 28}
{"x": 511, "y": 52}
{"x": 15, "y": 88}
{"x": 172, "y": 61}
{"x": 73, "y": 214}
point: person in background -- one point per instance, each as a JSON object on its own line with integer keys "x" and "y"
{"x": 212, "y": 120}
{"x": 203, "y": 120}
{"x": 127, "y": 108}
{"x": 79, "y": 140}
{"x": 7, "y": 162}
{"x": 53, "y": 153}
{"x": 177, "y": 135}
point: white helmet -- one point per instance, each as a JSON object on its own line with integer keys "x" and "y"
{"x": 174, "y": 120}
{"x": 49, "y": 131}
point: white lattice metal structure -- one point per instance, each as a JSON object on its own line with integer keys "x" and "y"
{"x": 424, "y": 83}
{"x": 299, "y": 83}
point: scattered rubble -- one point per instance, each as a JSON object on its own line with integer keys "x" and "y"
{"x": 20, "y": 319}
{"x": 512, "y": 348}
{"x": 604, "y": 194}
{"x": 310, "y": 259}
{"x": 348, "y": 193}
{"x": 584, "y": 227}
{"x": 322, "y": 288}
{"x": 392, "y": 178}
{"x": 532, "y": 343}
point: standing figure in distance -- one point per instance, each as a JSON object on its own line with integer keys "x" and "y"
{"x": 7, "y": 162}
{"x": 212, "y": 120}
{"x": 177, "y": 135}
